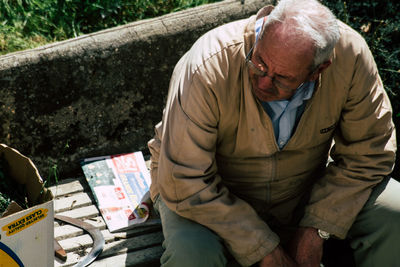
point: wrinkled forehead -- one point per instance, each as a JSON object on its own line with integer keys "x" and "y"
{"x": 284, "y": 37}
{"x": 288, "y": 36}
{"x": 289, "y": 53}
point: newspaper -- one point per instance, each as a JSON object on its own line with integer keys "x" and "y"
{"x": 120, "y": 184}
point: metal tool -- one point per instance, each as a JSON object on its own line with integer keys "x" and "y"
{"x": 98, "y": 239}
{"x": 59, "y": 251}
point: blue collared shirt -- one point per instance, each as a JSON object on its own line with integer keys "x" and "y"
{"x": 285, "y": 114}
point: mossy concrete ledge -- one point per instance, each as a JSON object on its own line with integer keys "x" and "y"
{"x": 100, "y": 93}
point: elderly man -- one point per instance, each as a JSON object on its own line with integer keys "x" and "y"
{"x": 240, "y": 160}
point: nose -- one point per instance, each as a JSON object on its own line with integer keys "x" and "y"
{"x": 264, "y": 82}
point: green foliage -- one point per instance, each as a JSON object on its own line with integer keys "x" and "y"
{"x": 10, "y": 190}
{"x": 53, "y": 177}
{"x": 379, "y": 23}
{"x": 29, "y": 23}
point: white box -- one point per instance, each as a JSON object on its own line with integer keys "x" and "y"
{"x": 27, "y": 236}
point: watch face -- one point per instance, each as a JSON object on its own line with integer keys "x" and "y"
{"x": 323, "y": 234}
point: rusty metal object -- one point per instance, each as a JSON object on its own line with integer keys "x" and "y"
{"x": 98, "y": 239}
{"x": 59, "y": 251}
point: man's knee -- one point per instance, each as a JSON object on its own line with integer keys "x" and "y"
{"x": 376, "y": 231}
{"x": 382, "y": 210}
{"x": 189, "y": 248}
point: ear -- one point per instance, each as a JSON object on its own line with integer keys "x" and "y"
{"x": 320, "y": 69}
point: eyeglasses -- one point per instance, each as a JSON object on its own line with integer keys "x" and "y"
{"x": 259, "y": 72}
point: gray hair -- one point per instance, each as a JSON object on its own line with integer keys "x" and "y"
{"x": 311, "y": 19}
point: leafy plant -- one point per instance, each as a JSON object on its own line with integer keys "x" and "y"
{"x": 52, "y": 178}
{"x": 29, "y": 23}
{"x": 379, "y": 23}
{"x": 10, "y": 190}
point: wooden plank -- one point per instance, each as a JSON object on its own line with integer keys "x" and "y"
{"x": 93, "y": 220}
{"x": 151, "y": 225}
{"x": 82, "y": 213}
{"x": 123, "y": 246}
{"x": 68, "y": 231}
{"x": 70, "y": 202}
{"x": 148, "y": 257}
{"x": 69, "y": 186}
{"x": 84, "y": 241}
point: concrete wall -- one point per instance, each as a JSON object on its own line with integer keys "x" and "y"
{"x": 101, "y": 93}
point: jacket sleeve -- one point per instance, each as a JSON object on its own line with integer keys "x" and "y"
{"x": 187, "y": 174}
{"x": 363, "y": 151}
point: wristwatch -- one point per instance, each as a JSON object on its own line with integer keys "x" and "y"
{"x": 323, "y": 234}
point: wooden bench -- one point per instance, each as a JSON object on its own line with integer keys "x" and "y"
{"x": 140, "y": 246}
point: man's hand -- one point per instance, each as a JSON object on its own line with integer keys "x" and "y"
{"x": 278, "y": 258}
{"x": 306, "y": 247}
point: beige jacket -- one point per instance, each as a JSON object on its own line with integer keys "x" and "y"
{"x": 215, "y": 159}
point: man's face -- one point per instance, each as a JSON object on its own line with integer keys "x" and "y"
{"x": 284, "y": 62}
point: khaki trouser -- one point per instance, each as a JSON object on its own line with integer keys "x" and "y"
{"x": 374, "y": 236}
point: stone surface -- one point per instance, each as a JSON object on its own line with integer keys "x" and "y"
{"x": 100, "y": 93}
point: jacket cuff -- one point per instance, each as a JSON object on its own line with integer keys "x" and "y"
{"x": 311, "y": 220}
{"x": 270, "y": 243}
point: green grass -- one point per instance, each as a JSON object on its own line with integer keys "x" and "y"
{"x": 27, "y": 24}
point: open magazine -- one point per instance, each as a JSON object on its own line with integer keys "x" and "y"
{"x": 120, "y": 184}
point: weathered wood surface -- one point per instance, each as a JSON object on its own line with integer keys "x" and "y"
{"x": 140, "y": 246}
